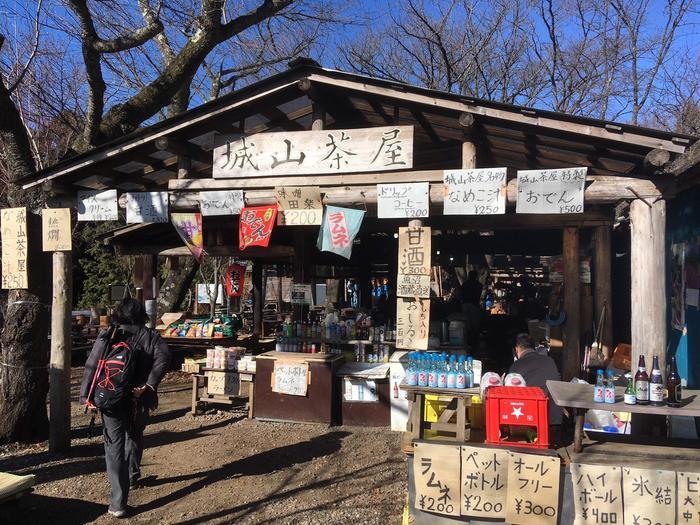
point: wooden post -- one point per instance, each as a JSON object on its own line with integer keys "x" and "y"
{"x": 648, "y": 254}
{"x": 59, "y": 374}
{"x": 572, "y": 305}
{"x": 150, "y": 263}
{"x": 318, "y": 118}
{"x": 257, "y": 298}
{"x": 602, "y": 288}
{"x": 466, "y": 120}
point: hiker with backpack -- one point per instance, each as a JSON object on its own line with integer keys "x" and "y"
{"x": 121, "y": 378}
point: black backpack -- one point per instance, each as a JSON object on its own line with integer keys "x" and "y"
{"x": 115, "y": 375}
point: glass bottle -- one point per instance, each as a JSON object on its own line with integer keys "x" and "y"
{"x": 452, "y": 372}
{"x": 412, "y": 375}
{"x": 461, "y": 374}
{"x": 422, "y": 370}
{"x": 599, "y": 388}
{"x": 441, "y": 372}
{"x": 470, "y": 372}
{"x": 630, "y": 394}
{"x": 673, "y": 383}
{"x": 656, "y": 384}
{"x": 432, "y": 371}
{"x": 610, "y": 388}
{"x": 641, "y": 383}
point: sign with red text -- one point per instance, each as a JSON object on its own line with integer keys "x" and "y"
{"x": 412, "y": 323}
{"x": 338, "y": 230}
{"x": 189, "y": 228}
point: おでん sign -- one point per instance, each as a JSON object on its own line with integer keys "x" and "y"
{"x": 551, "y": 191}
{"x": 316, "y": 152}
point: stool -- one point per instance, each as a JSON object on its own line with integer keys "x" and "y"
{"x": 516, "y": 408}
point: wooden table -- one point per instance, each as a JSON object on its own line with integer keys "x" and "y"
{"x": 579, "y": 398}
{"x": 199, "y": 397}
{"x": 416, "y": 407}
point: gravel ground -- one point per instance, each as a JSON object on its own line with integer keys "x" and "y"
{"x": 219, "y": 467}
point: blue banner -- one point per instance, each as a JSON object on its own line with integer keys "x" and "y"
{"x": 339, "y": 229}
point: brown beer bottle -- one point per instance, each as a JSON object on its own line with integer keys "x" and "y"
{"x": 673, "y": 384}
{"x": 641, "y": 383}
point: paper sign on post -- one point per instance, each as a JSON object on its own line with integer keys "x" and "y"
{"x": 484, "y": 482}
{"x": 97, "y": 205}
{"x": 597, "y": 494}
{"x": 436, "y": 472}
{"x": 475, "y": 192}
{"x": 15, "y": 255}
{"x": 533, "y": 489}
{"x": 299, "y": 206}
{"x": 649, "y": 496}
{"x": 221, "y": 202}
{"x": 56, "y": 230}
{"x": 412, "y": 323}
{"x": 290, "y": 377}
{"x": 315, "y": 152}
{"x": 551, "y": 191}
{"x": 147, "y": 207}
{"x": 302, "y": 294}
{"x": 403, "y": 200}
{"x": 414, "y": 262}
{"x": 688, "y": 497}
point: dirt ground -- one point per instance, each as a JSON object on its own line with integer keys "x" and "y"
{"x": 218, "y": 467}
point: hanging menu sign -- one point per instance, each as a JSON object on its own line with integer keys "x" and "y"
{"x": 649, "y": 495}
{"x": 97, "y": 205}
{"x": 56, "y": 230}
{"x": 412, "y": 323}
{"x": 597, "y": 494}
{"x": 13, "y": 223}
{"x": 299, "y": 206}
{"x": 414, "y": 262}
{"x": 484, "y": 482}
{"x": 403, "y": 200}
{"x": 436, "y": 473}
{"x": 475, "y": 192}
{"x": 688, "y": 497}
{"x": 551, "y": 191}
{"x": 316, "y": 152}
{"x": 221, "y": 202}
{"x": 147, "y": 207}
{"x": 533, "y": 489}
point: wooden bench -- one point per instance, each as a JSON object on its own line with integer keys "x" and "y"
{"x": 199, "y": 382}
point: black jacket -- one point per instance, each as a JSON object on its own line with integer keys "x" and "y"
{"x": 536, "y": 369}
{"x": 153, "y": 358}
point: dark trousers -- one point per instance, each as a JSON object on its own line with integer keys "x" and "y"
{"x": 122, "y": 428}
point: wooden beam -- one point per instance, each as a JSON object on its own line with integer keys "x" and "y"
{"x": 258, "y": 298}
{"x": 183, "y": 148}
{"x": 648, "y": 254}
{"x": 602, "y": 286}
{"x": 318, "y": 118}
{"x": 277, "y": 117}
{"x": 592, "y": 129}
{"x": 272, "y": 252}
{"x": 683, "y": 163}
{"x": 656, "y": 159}
{"x": 571, "y": 329}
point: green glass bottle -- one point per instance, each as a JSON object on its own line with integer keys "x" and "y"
{"x": 630, "y": 392}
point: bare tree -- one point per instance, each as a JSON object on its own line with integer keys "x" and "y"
{"x": 118, "y": 41}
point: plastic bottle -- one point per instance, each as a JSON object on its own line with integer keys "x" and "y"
{"x": 461, "y": 374}
{"x": 442, "y": 372}
{"x": 432, "y": 371}
{"x": 610, "y": 388}
{"x": 470, "y": 372}
{"x": 599, "y": 388}
{"x": 452, "y": 372}
{"x": 422, "y": 370}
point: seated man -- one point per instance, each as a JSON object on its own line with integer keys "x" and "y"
{"x": 536, "y": 369}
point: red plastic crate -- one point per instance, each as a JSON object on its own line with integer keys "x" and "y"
{"x": 517, "y": 406}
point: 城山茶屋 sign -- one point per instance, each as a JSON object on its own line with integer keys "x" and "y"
{"x": 316, "y": 152}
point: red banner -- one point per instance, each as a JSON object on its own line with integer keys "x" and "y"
{"x": 255, "y": 226}
{"x": 235, "y": 280}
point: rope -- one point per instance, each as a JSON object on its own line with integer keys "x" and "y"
{"x": 8, "y": 365}
{"x": 29, "y": 302}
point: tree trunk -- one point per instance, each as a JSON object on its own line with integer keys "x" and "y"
{"x": 24, "y": 380}
{"x": 174, "y": 289}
